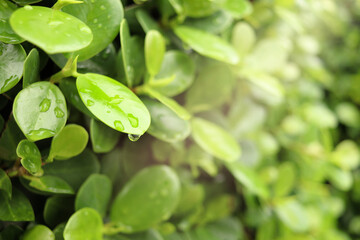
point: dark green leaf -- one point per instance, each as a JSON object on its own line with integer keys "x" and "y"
{"x": 9, "y": 140}
{"x": 5, "y": 183}
{"x": 51, "y": 184}
{"x": 30, "y": 156}
{"x": 31, "y": 68}
{"x": 58, "y": 209}
{"x": 11, "y": 232}
{"x": 39, "y": 232}
{"x": 40, "y": 110}
{"x": 7, "y": 35}
{"x": 103, "y": 138}
{"x": 110, "y": 165}
{"x": 59, "y": 231}
{"x": 18, "y": 208}
{"x": 12, "y": 59}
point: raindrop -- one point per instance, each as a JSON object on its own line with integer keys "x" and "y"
{"x": 118, "y": 125}
{"x": 85, "y": 29}
{"x": 84, "y": 90}
{"x": 45, "y": 105}
{"x": 134, "y": 121}
{"x": 58, "y": 112}
{"x": 28, "y": 7}
{"x": 55, "y": 23}
{"x": 41, "y": 132}
{"x": 134, "y": 137}
{"x": 89, "y": 103}
{"x": 116, "y": 100}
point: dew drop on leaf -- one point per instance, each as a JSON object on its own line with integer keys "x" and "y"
{"x": 45, "y": 105}
{"x": 55, "y": 23}
{"x": 58, "y": 112}
{"x": 95, "y": 20}
{"x": 134, "y": 121}
{"x": 28, "y": 7}
{"x": 89, "y": 103}
{"x": 41, "y": 132}
{"x": 134, "y": 137}
{"x": 84, "y": 90}
{"x": 118, "y": 125}
{"x": 85, "y": 29}
{"x": 116, "y": 100}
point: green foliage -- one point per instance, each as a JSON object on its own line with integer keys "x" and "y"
{"x": 207, "y": 119}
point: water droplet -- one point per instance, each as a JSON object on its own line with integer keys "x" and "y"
{"x": 102, "y": 7}
{"x": 95, "y": 20}
{"x": 55, "y": 23}
{"x": 40, "y": 14}
{"x": 58, "y": 112}
{"x": 84, "y": 90}
{"x": 134, "y": 121}
{"x": 27, "y": 149}
{"x": 28, "y": 7}
{"x": 164, "y": 192}
{"x": 85, "y": 29}
{"x": 59, "y": 101}
{"x": 116, "y": 99}
{"x": 68, "y": 18}
{"x": 89, "y": 103}
{"x": 134, "y": 137}
{"x": 118, "y": 125}
{"x": 99, "y": 25}
{"x": 45, "y": 105}
{"x": 108, "y": 111}
{"x": 41, "y": 133}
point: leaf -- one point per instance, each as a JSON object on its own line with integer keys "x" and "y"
{"x": 192, "y": 196}
{"x": 215, "y": 140}
{"x": 146, "y": 21}
{"x": 247, "y": 177}
{"x": 131, "y": 54}
{"x": 12, "y": 59}
{"x": 147, "y": 199}
{"x": 94, "y": 193}
{"x": 176, "y": 64}
{"x": 25, "y": 2}
{"x": 31, "y": 68}
{"x": 30, "y": 156}
{"x": 51, "y": 184}
{"x": 113, "y": 103}
{"x": 75, "y": 170}
{"x": 84, "y": 224}
{"x": 154, "y": 51}
{"x": 169, "y": 102}
{"x": 286, "y": 179}
{"x": 346, "y": 155}
{"x": 103, "y": 18}
{"x": 69, "y": 142}
{"x": 5, "y": 183}
{"x": 40, "y": 110}
{"x": 39, "y": 232}
{"x": 200, "y": 8}
{"x": 292, "y": 214}
{"x": 56, "y": 31}
{"x": 59, "y": 230}
{"x": 111, "y": 165}
{"x": 207, "y": 44}
{"x": 319, "y": 115}
{"x": 103, "y": 138}
{"x": 16, "y": 209}
{"x": 11, "y": 232}
{"x": 7, "y": 35}
{"x": 165, "y": 124}
{"x": 243, "y": 38}
{"x": 339, "y": 178}
{"x": 58, "y": 209}
{"x": 208, "y": 91}
{"x": 238, "y": 8}
{"x": 9, "y": 140}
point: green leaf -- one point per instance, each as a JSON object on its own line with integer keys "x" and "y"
{"x": 147, "y": 199}
{"x": 7, "y": 35}
{"x": 292, "y": 214}
{"x": 12, "y": 59}
{"x": 286, "y": 179}
{"x": 25, "y": 2}
{"x": 56, "y": 31}
{"x": 18, "y": 208}
{"x": 154, "y": 51}
{"x": 243, "y": 38}
{"x": 103, "y": 138}
{"x": 59, "y": 230}
{"x": 215, "y": 140}
{"x": 58, "y": 209}
{"x": 341, "y": 179}
{"x": 247, "y": 177}
{"x": 51, "y": 184}
{"x": 31, "y": 68}
{"x": 69, "y": 142}
{"x": 75, "y": 170}
{"x": 176, "y": 64}
{"x": 113, "y": 103}
{"x": 169, "y": 102}
{"x": 111, "y": 165}
{"x": 30, "y": 156}
{"x": 146, "y": 21}
{"x": 84, "y": 224}
{"x": 11, "y": 232}
{"x": 94, "y": 193}
{"x": 192, "y": 195}
{"x": 165, "y": 124}
{"x": 39, "y": 232}
{"x": 217, "y": 92}
{"x": 103, "y": 18}
{"x": 207, "y": 44}
{"x": 238, "y": 8}
{"x": 319, "y": 115}
{"x": 131, "y": 54}
{"x": 9, "y": 140}
{"x": 346, "y": 155}
{"x": 200, "y": 8}
{"x": 40, "y": 110}
{"x": 5, "y": 183}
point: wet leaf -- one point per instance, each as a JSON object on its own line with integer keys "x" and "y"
{"x": 30, "y": 156}
{"x": 7, "y": 35}
{"x": 31, "y": 68}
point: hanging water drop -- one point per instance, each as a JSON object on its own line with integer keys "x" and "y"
{"x": 134, "y": 137}
{"x": 58, "y": 112}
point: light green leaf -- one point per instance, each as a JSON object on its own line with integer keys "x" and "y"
{"x": 94, "y": 193}
{"x": 319, "y": 115}
{"x": 30, "y": 156}
{"x": 199, "y": 8}
{"x": 5, "y": 183}
{"x": 165, "y": 124}
{"x": 147, "y": 199}
{"x": 146, "y": 21}
{"x": 31, "y": 68}
{"x": 18, "y": 208}
{"x": 103, "y": 138}
{"x": 9, "y": 140}
{"x": 346, "y": 155}
{"x": 207, "y": 44}
{"x": 51, "y": 184}
{"x": 238, "y": 8}
{"x": 7, "y": 35}
{"x": 340, "y": 179}
{"x": 243, "y": 38}
{"x": 215, "y": 140}
{"x": 103, "y": 18}
{"x": 84, "y": 224}
{"x": 39, "y": 232}
{"x": 292, "y": 214}
{"x": 215, "y": 23}
{"x": 192, "y": 196}
{"x": 69, "y": 142}
{"x": 154, "y": 51}
{"x": 56, "y": 31}
{"x": 40, "y": 110}
{"x": 286, "y": 179}
{"x": 113, "y": 103}
{"x": 12, "y": 59}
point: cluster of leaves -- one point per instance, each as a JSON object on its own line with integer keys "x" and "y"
{"x": 240, "y": 119}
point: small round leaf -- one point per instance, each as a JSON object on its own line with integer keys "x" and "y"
{"x": 154, "y": 51}
{"x": 30, "y": 156}
{"x": 39, "y": 232}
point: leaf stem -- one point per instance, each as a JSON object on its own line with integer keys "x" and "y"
{"x": 69, "y": 70}
{"x": 62, "y": 3}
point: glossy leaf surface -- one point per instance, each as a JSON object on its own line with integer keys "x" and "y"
{"x": 154, "y": 51}
{"x": 51, "y": 184}
{"x": 31, "y": 68}
{"x": 113, "y": 103}
{"x": 148, "y": 198}
{"x": 12, "y": 59}
{"x": 5, "y": 183}
{"x": 18, "y": 208}
{"x": 9, "y": 140}
{"x": 56, "y": 31}
{"x": 103, "y": 138}
{"x": 39, "y": 232}
{"x": 7, "y": 35}
{"x": 40, "y": 110}
{"x": 30, "y": 156}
